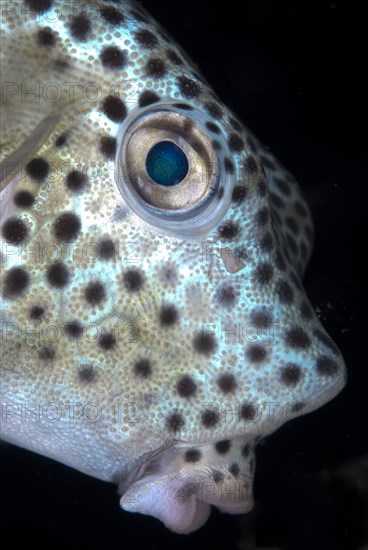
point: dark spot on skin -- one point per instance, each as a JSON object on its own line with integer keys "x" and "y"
{"x": 251, "y": 165}
{"x": 283, "y": 186}
{"x": 226, "y": 295}
{"x": 263, "y": 273}
{"x": 292, "y": 225}
{"x": 147, "y": 98}
{"x": 216, "y": 145}
{"x": 228, "y": 231}
{"x": 107, "y": 341}
{"x": 39, "y": 6}
{"x": 279, "y": 261}
{"x": 113, "y": 58}
{"x": 297, "y": 407}
{"x": 292, "y": 244}
{"x": 168, "y": 315}
{"x": 189, "y": 88}
{"x": 36, "y": 313}
{"x": 108, "y": 146}
{"x": 94, "y": 293}
{"x": 296, "y": 337}
{"x": 155, "y": 68}
{"x": 87, "y": 374}
{"x": 187, "y": 490}
{"x": 80, "y": 27}
{"x": 218, "y": 477}
{"x": 45, "y": 37}
{"x": 234, "y": 470}
{"x": 76, "y": 181}
{"x": 245, "y": 450}
{"x": 256, "y": 353}
{"x": 74, "y": 329}
{"x": 105, "y": 249}
{"x": 229, "y": 165}
{"x": 247, "y": 411}
{"x": 300, "y": 209}
{"x": 261, "y": 318}
{"x": 14, "y": 231}
{"x": 174, "y": 58}
{"x": 213, "y": 127}
{"x": 61, "y": 140}
{"x": 227, "y": 383}
{"x": 16, "y": 282}
{"x": 146, "y": 39}
{"x": 143, "y": 368}
{"x": 210, "y": 418}
{"x": 23, "y": 199}
{"x": 262, "y": 188}
{"x": 66, "y": 227}
{"x": 276, "y": 201}
{"x": 291, "y": 374}
{"x": 47, "y": 354}
{"x": 236, "y": 143}
{"x": 133, "y": 280}
{"x": 174, "y": 422}
{"x": 60, "y": 65}
{"x": 326, "y": 340}
{"x": 204, "y": 344}
{"x": 262, "y": 216}
{"x": 58, "y": 275}
{"x": 214, "y": 110}
{"x": 192, "y": 455}
{"x": 223, "y": 447}
{"x": 326, "y": 366}
{"x": 266, "y": 242}
{"x": 114, "y": 108}
{"x": 38, "y": 169}
{"x": 285, "y": 292}
{"x": 236, "y": 125}
{"x": 111, "y": 15}
{"x": 239, "y": 193}
{"x": 186, "y": 387}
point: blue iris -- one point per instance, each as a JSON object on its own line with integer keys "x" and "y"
{"x": 166, "y": 163}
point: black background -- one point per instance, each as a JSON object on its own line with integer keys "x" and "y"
{"x": 293, "y": 71}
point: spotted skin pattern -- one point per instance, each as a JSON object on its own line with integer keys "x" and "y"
{"x": 131, "y": 354}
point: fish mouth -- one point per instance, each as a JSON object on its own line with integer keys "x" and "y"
{"x": 179, "y": 484}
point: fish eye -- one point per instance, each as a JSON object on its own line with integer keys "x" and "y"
{"x": 169, "y": 172}
{"x": 166, "y": 163}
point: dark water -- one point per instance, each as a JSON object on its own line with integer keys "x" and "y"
{"x": 294, "y": 74}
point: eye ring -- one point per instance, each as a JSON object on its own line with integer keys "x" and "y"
{"x": 195, "y": 204}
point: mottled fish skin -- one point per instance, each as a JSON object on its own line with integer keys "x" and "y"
{"x": 155, "y": 355}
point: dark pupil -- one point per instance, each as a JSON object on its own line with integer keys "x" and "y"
{"x": 166, "y": 163}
